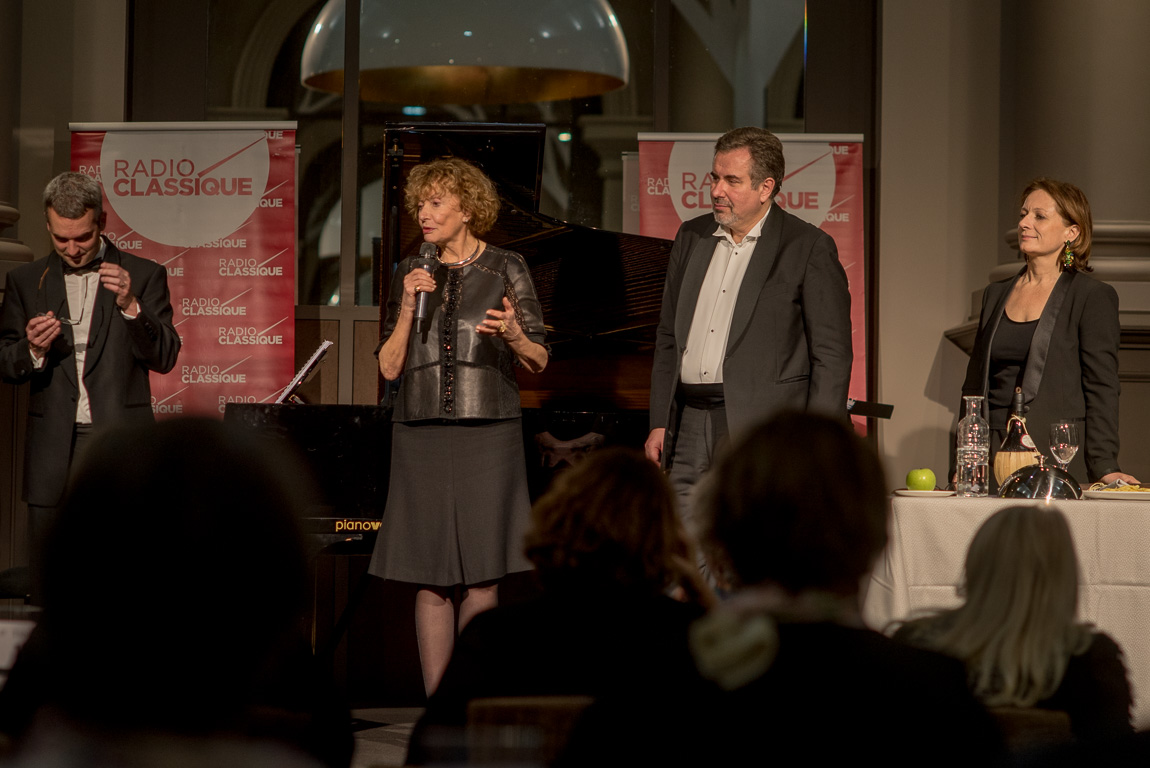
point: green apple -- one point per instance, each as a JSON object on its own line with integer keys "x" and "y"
{"x": 920, "y": 480}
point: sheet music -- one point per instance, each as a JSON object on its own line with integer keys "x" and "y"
{"x": 305, "y": 371}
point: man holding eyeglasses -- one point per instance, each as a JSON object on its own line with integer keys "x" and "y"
{"x": 84, "y": 326}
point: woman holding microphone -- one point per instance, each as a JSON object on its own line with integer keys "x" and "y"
{"x": 458, "y": 504}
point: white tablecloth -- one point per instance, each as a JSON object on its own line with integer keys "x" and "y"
{"x": 929, "y": 536}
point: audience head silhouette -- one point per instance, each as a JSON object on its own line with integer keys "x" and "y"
{"x": 610, "y": 518}
{"x": 174, "y": 570}
{"x": 1021, "y": 567}
{"x": 797, "y": 514}
{"x": 799, "y": 503}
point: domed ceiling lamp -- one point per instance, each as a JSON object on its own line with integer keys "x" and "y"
{"x": 471, "y": 51}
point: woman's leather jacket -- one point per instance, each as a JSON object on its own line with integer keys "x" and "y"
{"x": 452, "y": 372}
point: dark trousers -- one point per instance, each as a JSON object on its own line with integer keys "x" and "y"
{"x": 41, "y": 519}
{"x": 700, "y": 438}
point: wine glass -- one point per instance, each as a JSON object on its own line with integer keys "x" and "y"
{"x": 1063, "y": 442}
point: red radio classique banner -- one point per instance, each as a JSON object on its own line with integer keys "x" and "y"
{"x": 215, "y": 205}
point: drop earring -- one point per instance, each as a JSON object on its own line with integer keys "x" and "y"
{"x": 1068, "y": 256}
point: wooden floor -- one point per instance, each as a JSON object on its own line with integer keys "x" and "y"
{"x": 381, "y": 736}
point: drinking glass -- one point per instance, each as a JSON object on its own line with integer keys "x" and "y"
{"x": 1063, "y": 442}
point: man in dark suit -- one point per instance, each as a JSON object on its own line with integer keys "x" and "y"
{"x": 84, "y": 326}
{"x": 755, "y": 317}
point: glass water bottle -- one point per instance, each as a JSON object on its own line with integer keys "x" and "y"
{"x": 973, "y": 451}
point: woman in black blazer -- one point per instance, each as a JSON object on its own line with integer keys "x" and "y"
{"x": 1053, "y": 331}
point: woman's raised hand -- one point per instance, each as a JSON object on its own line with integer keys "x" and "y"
{"x": 501, "y": 323}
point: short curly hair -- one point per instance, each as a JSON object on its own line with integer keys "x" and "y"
{"x": 454, "y": 176}
{"x": 610, "y": 518}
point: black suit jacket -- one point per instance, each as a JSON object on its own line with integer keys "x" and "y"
{"x": 1071, "y": 369}
{"x": 789, "y": 346}
{"x": 120, "y": 354}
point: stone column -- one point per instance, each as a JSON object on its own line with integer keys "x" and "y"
{"x": 12, "y": 252}
{"x": 1078, "y": 105}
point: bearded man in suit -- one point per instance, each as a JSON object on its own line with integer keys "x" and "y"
{"x": 755, "y": 317}
{"x": 84, "y": 326}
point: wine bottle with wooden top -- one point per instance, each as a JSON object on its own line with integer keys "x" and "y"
{"x": 1018, "y": 448}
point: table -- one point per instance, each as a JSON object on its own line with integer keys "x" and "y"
{"x": 923, "y": 563}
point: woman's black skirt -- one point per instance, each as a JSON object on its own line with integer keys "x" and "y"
{"x": 457, "y": 504}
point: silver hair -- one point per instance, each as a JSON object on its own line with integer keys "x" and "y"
{"x": 71, "y": 195}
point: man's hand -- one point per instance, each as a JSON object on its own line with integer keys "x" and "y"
{"x": 118, "y": 280}
{"x": 1110, "y": 478}
{"x": 654, "y": 445}
{"x": 41, "y": 331}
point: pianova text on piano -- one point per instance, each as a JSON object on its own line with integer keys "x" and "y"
{"x": 356, "y": 525}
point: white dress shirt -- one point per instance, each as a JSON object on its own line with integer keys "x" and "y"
{"x": 711, "y": 324}
{"x": 82, "y": 290}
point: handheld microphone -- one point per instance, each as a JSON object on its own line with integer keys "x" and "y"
{"x": 427, "y": 261}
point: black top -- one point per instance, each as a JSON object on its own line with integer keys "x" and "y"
{"x": 1008, "y": 355}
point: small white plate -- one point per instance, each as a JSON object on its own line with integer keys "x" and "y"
{"x": 1118, "y": 495}
{"x": 925, "y": 494}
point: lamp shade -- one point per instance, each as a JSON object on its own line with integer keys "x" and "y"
{"x": 471, "y": 51}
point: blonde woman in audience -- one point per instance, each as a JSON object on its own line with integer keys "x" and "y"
{"x": 1017, "y": 633}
